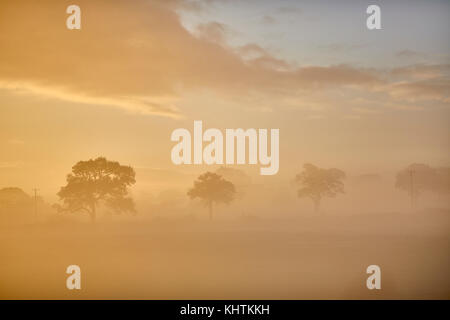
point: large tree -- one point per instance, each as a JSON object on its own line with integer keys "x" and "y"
{"x": 95, "y": 182}
{"x": 212, "y": 189}
{"x": 315, "y": 183}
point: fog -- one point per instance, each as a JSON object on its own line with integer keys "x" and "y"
{"x": 266, "y": 244}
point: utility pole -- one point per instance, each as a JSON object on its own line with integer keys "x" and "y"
{"x": 411, "y": 174}
{"x": 35, "y": 202}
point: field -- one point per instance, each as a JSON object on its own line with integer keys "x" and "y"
{"x": 316, "y": 257}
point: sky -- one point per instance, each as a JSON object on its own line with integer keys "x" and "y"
{"x": 341, "y": 95}
{"x": 331, "y": 32}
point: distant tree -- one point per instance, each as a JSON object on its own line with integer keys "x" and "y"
{"x": 316, "y": 183}
{"x": 212, "y": 188}
{"x": 14, "y": 196}
{"x": 15, "y": 205}
{"x": 418, "y": 178}
{"x": 98, "y": 181}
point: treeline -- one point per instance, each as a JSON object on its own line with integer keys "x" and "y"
{"x": 103, "y": 183}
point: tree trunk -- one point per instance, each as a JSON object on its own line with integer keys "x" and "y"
{"x": 414, "y": 200}
{"x": 316, "y": 205}
{"x": 210, "y": 209}
{"x": 93, "y": 213}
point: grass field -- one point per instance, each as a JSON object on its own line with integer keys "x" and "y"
{"x": 301, "y": 258}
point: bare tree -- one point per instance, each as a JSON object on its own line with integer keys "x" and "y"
{"x": 212, "y": 188}
{"x": 316, "y": 183}
{"x": 98, "y": 181}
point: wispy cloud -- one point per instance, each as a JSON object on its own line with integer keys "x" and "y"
{"x": 342, "y": 47}
{"x": 410, "y": 54}
{"x": 140, "y": 58}
{"x": 15, "y": 141}
{"x": 11, "y": 165}
{"x": 268, "y": 19}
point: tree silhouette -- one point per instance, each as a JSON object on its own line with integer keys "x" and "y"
{"x": 316, "y": 183}
{"x": 212, "y": 188}
{"x": 240, "y": 180}
{"x": 98, "y": 181}
{"x": 15, "y": 205}
{"x": 418, "y": 177}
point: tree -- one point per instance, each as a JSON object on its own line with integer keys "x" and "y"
{"x": 212, "y": 188}
{"x": 15, "y": 205}
{"x": 238, "y": 178}
{"x": 418, "y": 178}
{"x": 316, "y": 183}
{"x": 98, "y": 181}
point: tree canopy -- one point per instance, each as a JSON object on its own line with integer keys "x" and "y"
{"x": 95, "y": 182}
{"x": 316, "y": 183}
{"x": 240, "y": 180}
{"x": 212, "y": 189}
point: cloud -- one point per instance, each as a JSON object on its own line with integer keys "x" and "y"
{"x": 422, "y": 71}
{"x": 257, "y": 56}
{"x": 336, "y": 75}
{"x": 289, "y": 10}
{"x": 422, "y": 90}
{"x": 138, "y": 57}
{"x": 212, "y": 31}
{"x": 352, "y": 117}
{"x": 11, "y": 165}
{"x": 268, "y": 19}
{"x": 315, "y": 117}
{"x": 362, "y": 110}
{"x": 15, "y": 141}
{"x": 251, "y": 50}
{"x": 409, "y": 54}
{"x": 163, "y": 106}
{"x": 406, "y": 107}
{"x": 342, "y": 47}
{"x": 421, "y": 82}
{"x": 112, "y": 60}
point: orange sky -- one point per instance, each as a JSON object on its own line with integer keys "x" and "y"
{"x": 138, "y": 70}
